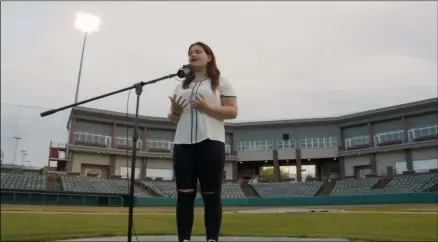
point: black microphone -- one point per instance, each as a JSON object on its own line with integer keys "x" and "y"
{"x": 185, "y": 71}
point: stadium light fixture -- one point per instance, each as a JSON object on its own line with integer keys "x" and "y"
{"x": 86, "y": 23}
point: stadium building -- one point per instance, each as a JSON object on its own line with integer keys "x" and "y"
{"x": 391, "y": 140}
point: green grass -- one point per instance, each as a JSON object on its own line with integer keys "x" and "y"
{"x": 375, "y": 227}
{"x": 376, "y": 208}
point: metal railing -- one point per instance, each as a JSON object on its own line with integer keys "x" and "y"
{"x": 420, "y": 132}
{"x": 324, "y": 142}
{"x": 124, "y": 141}
{"x": 286, "y": 144}
{"x": 255, "y": 145}
{"x": 357, "y": 141}
{"x": 93, "y": 138}
{"x": 391, "y": 136}
{"x": 159, "y": 144}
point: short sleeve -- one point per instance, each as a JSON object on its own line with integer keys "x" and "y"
{"x": 177, "y": 89}
{"x": 226, "y": 89}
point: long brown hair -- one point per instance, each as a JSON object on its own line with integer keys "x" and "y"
{"x": 212, "y": 70}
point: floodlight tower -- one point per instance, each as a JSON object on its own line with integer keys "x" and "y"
{"x": 17, "y": 139}
{"x": 23, "y": 156}
{"x": 87, "y": 23}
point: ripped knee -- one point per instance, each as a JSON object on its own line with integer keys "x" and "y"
{"x": 186, "y": 195}
{"x": 211, "y": 195}
{"x": 212, "y": 198}
{"x": 186, "y": 190}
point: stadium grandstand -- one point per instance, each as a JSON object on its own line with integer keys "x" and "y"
{"x": 385, "y": 151}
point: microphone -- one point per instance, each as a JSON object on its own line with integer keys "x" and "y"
{"x": 185, "y": 71}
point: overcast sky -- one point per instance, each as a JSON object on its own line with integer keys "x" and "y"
{"x": 285, "y": 59}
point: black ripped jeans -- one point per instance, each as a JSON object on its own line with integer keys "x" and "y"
{"x": 204, "y": 161}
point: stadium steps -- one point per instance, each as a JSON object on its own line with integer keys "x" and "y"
{"x": 326, "y": 189}
{"x": 248, "y": 190}
{"x": 382, "y": 183}
{"x": 54, "y": 182}
{"x": 433, "y": 189}
{"x": 148, "y": 189}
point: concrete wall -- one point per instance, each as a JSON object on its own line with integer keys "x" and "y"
{"x": 260, "y": 155}
{"x": 78, "y": 159}
{"x": 351, "y": 162}
{"x": 228, "y": 171}
{"x": 319, "y": 153}
{"x": 424, "y": 154}
{"x": 384, "y": 160}
{"x": 159, "y": 164}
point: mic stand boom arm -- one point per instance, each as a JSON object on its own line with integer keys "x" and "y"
{"x": 138, "y": 90}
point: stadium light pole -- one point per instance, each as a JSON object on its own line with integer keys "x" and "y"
{"x": 17, "y": 139}
{"x": 23, "y": 156}
{"x": 86, "y": 23}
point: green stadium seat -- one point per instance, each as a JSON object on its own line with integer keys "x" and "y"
{"x": 299, "y": 189}
{"x": 23, "y": 181}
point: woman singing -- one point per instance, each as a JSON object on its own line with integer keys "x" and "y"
{"x": 199, "y": 106}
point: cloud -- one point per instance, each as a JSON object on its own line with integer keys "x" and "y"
{"x": 285, "y": 59}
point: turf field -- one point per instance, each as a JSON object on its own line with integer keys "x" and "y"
{"x": 407, "y": 222}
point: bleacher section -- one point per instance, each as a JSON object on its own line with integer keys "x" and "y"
{"x": 407, "y": 184}
{"x": 301, "y": 189}
{"x": 165, "y": 189}
{"x": 232, "y": 190}
{"x": 23, "y": 181}
{"x": 351, "y": 186}
{"x": 426, "y": 182}
{"x": 399, "y": 184}
{"x": 168, "y": 189}
{"x": 83, "y": 184}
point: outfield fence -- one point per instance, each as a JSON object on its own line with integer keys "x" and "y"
{"x": 54, "y": 198}
{"x": 111, "y": 200}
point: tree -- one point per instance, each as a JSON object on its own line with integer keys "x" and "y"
{"x": 268, "y": 174}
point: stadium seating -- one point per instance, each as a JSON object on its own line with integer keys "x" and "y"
{"x": 23, "y": 181}
{"x": 407, "y": 184}
{"x": 165, "y": 189}
{"x": 399, "y": 184}
{"x": 232, "y": 190}
{"x": 351, "y": 186}
{"x": 117, "y": 187}
{"x": 301, "y": 189}
{"x": 89, "y": 185}
{"x": 77, "y": 184}
{"x": 168, "y": 189}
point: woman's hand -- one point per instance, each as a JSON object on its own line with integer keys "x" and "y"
{"x": 200, "y": 103}
{"x": 177, "y": 106}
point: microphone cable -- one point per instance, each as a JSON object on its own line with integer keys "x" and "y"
{"x": 127, "y": 159}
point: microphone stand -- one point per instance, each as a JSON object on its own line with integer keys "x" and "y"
{"x": 138, "y": 90}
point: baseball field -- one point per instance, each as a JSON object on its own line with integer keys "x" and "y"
{"x": 407, "y": 222}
